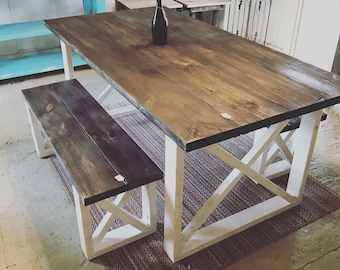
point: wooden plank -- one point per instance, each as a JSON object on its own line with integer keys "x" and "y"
{"x": 125, "y": 156}
{"x": 91, "y": 174}
{"x": 199, "y": 59}
{"x": 89, "y": 169}
{"x": 190, "y": 72}
{"x": 242, "y": 74}
{"x": 145, "y": 93}
{"x": 274, "y": 61}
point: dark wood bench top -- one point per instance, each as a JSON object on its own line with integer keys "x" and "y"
{"x": 91, "y": 145}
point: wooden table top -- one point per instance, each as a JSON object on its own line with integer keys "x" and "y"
{"x": 201, "y": 73}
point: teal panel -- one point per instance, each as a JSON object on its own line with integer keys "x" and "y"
{"x": 88, "y": 7}
{"x": 99, "y": 6}
{"x": 23, "y": 30}
{"x": 94, "y": 6}
{"x": 35, "y": 64}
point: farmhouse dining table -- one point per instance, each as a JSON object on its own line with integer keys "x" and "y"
{"x": 203, "y": 87}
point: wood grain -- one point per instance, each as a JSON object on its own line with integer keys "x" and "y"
{"x": 202, "y": 72}
{"x": 91, "y": 145}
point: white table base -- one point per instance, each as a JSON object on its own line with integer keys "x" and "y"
{"x": 179, "y": 243}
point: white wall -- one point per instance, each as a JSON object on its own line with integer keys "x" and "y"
{"x": 282, "y": 24}
{"x": 110, "y": 5}
{"x": 319, "y": 32}
{"x": 306, "y": 29}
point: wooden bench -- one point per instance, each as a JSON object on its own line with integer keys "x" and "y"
{"x": 101, "y": 159}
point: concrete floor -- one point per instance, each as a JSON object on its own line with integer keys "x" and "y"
{"x": 37, "y": 221}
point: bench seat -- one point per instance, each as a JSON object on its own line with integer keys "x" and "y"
{"x": 100, "y": 157}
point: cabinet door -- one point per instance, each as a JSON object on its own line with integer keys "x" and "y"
{"x": 283, "y": 25}
{"x": 238, "y": 17}
{"x": 306, "y": 29}
{"x": 273, "y": 23}
{"x": 249, "y": 19}
{"x": 318, "y": 33}
{"x": 258, "y": 20}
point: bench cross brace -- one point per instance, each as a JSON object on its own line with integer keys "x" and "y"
{"x": 104, "y": 239}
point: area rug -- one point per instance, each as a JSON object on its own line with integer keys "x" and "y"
{"x": 203, "y": 173}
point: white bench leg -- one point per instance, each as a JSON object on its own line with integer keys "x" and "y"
{"x": 102, "y": 239}
{"x": 67, "y": 60}
{"x": 42, "y": 146}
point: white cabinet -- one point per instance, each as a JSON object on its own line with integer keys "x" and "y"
{"x": 269, "y": 22}
{"x": 249, "y": 19}
{"x": 319, "y": 32}
{"x": 306, "y": 29}
{"x": 283, "y": 25}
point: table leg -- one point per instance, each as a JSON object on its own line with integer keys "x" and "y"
{"x": 303, "y": 149}
{"x": 67, "y": 60}
{"x": 214, "y": 17}
{"x": 42, "y": 145}
{"x": 199, "y": 16}
{"x": 179, "y": 243}
{"x": 173, "y": 196}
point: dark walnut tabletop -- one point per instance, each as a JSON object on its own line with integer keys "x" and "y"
{"x": 201, "y": 73}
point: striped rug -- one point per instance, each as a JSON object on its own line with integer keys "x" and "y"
{"x": 203, "y": 173}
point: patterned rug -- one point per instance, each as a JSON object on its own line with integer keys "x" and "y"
{"x": 203, "y": 173}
